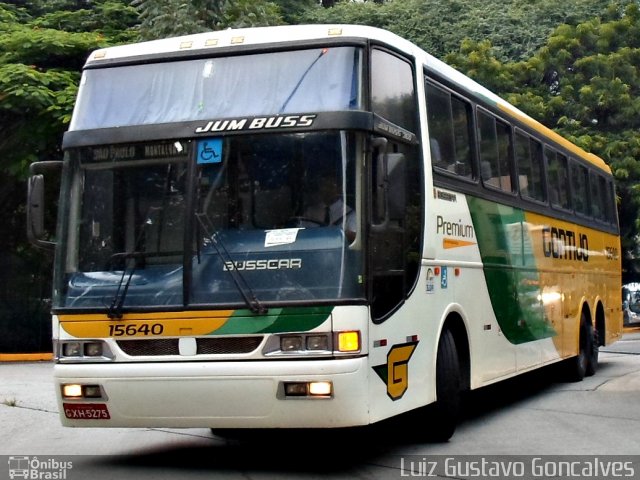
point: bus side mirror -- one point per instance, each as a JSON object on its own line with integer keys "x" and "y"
{"x": 389, "y": 184}
{"x": 36, "y": 204}
{"x": 396, "y": 180}
{"x": 379, "y": 180}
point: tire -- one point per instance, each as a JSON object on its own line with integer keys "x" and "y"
{"x": 592, "y": 365}
{"x": 446, "y": 410}
{"x": 578, "y": 366}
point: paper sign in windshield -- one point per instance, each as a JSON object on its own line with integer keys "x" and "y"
{"x": 284, "y": 236}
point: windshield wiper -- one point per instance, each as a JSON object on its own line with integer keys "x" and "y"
{"x": 241, "y": 284}
{"x": 114, "y": 311}
{"x": 302, "y": 77}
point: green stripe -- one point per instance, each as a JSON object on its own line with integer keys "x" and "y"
{"x": 295, "y": 319}
{"x": 510, "y": 271}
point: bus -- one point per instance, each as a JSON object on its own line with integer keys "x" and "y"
{"x": 315, "y": 226}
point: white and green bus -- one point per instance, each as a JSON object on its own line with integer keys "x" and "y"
{"x": 314, "y": 226}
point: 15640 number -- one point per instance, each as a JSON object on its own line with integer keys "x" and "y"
{"x": 131, "y": 330}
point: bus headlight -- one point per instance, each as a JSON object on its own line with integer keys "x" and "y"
{"x": 291, "y": 343}
{"x": 93, "y": 349}
{"x": 314, "y": 344}
{"x": 82, "y": 351}
{"x": 317, "y": 342}
{"x": 71, "y": 349}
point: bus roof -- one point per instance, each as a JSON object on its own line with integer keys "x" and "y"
{"x": 239, "y": 38}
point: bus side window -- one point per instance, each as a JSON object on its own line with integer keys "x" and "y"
{"x": 598, "y": 188}
{"x": 610, "y": 204}
{"x": 495, "y": 152}
{"x": 579, "y": 182}
{"x": 530, "y": 167}
{"x": 558, "y": 179}
{"x": 440, "y": 127}
{"x": 462, "y": 137}
{"x": 449, "y": 120}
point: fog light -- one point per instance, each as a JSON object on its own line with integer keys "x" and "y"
{"x": 92, "y": 391}
{"x": 317, "y": 342}
{"x": 295, "y": 389}
{"x": 320, "y": 388}
{"x": 93, "y": 349}
{"x": 290, "y": 344}
{"x": 71, "y": 349}
{"x": 72, "y": 391}
{"x": 349, "y": 341}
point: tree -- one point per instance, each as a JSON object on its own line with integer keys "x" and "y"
{"x": 516, "y": 29}
{"x": 43, "y": 45}
{"x": 585, "y": 84}
{"x": 167, "y": 18}
{"x": 292, "y": 11}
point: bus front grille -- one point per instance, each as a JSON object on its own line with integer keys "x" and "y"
{"x": 205, "y": 346}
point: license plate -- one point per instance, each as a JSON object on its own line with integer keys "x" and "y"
{"x": 86, "y": 411}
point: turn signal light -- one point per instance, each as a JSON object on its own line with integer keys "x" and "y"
{"x": 349, "y": 341}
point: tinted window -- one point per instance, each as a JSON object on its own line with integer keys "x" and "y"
{"x": 392, "y": 91}
{"x": 449, "y": 126}
{"x": 579, "y": 192}
{"x": 495, "y": 152}
{"x": 558, "y": 179}
{"x": 530, "y": 167}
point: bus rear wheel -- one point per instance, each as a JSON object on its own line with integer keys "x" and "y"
{"x": 592, "y": 365}
{"x": 448, "y": 382}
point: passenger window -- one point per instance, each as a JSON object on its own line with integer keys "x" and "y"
{"x": 579, "y": 193}
{"x": 449, "y": 126}
{"x": 495, "y": 152}
{"x": 596, "y": 195}
{"x": 610, "y": 203}
{"x": 558, "y": 179}
{"x": 530, "y": 167}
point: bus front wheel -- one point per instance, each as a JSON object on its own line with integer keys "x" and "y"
{"x": 448, "y": 386}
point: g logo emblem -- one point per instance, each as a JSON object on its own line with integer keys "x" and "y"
{"x": 395, "y": 373}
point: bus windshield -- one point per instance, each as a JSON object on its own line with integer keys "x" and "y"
{"x": 311, "y": 80}
{"x": 211, "y": 222}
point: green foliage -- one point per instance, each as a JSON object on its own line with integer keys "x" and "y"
{"x": 585, "y": 84}
{"x": 293, "y": 11}
{"x": 167, "y": 18}
{"x": 516, "y": 29}
{"x": 43, "y": 45}
{"x": 39, "y": 71}
{"x": 250, "y": 13}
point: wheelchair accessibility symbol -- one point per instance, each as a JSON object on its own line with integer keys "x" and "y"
{"x": 210, "y": 150}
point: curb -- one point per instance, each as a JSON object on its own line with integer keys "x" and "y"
{"x": 26, "y": 357}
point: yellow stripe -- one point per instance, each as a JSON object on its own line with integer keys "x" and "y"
{"x": 159, "y": 324}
